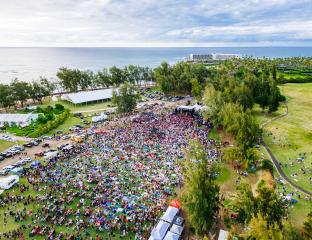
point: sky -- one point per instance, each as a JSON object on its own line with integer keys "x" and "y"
{"x": 155, "y": 23}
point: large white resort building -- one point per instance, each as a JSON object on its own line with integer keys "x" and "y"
{"x": 212, "y": 57}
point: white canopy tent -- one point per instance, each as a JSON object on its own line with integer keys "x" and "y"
{"x": 159, "y": 232}
{"x": 100, "y": 118}
{"x": 170, "y": 213}
{"x": 8, "y": 182}
{"x": 50, "y": 155}
{"x": 17, "y": 119}
{"x": 171, "y": 236}
{"x": 195, "y": 108}
{"x": 88, "y": 96}
{"x": 176, "y": 229}
{"x": 223, "y": 235}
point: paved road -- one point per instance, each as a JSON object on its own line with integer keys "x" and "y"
{"x": 275, "y": 161}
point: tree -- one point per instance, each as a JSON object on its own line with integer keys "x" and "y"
{"x": 200, "y": 196}
{"x": 196, "y": 89}
{"x": 117, "y": 75}
{"x": 40, "y": 89}
{"x": 266, "y": 204}
{"x": 126, "y": 97}
{"x": 271, "y": 206}
{"x": 21, "y": 91}
{"x": 245, "y": 203}
{"x": 164, "y": 77}
{"x": 69, "y": 78}
{"x": 103, "y": 78}
{"x": 307, "y": 226}
{"x": 6, "y": 96}
{"x": 213, "y": 100}
{"x": 274, "y": 98}
{"x": 259, "y": 229}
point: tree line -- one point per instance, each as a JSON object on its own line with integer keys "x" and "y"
{"x": 73, "y": 80}
{"x": 18, "y": 92}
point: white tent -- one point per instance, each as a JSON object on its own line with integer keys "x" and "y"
{"x": 50, "y": 155}
{"x": 196, "y": 108}
{"x": 171, "y": 236}
{"x": 169, "y": 215}
{"x": 176, "y": 229}
{"x": 18, "y": 119}
{"x": 100, "y": 118}
{"x": 8, "y": 182}
{"x": 223, "y": 235}
{"x": 88, "y": 96}
{"x": 159, "y": 231}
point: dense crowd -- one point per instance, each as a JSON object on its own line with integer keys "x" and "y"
{"x": 117, "y": 182}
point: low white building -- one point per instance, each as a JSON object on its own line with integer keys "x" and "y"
{"x": 212, "y": 57}
{"x": 21, "y": 120}
{"x": 200, "y": 57}
{"x": 224, "y": 56}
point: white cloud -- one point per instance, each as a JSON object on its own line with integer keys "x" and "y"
{"x": 152, "y": 22}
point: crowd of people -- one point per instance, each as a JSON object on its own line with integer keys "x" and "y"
{"x": 116, "y": 183}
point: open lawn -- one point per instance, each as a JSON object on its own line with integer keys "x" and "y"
{"x": 69, "y": 122}
{"x": 4, "y": 145}
{"x": 290, "y": 137}
{"x": 263, "y": 117}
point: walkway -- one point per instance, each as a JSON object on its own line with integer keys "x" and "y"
{"x": 275, "y": 161}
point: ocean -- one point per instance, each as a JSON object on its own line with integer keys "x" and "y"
{"x": 30, "y": 63}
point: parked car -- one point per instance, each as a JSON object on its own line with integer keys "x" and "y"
{"x": 7, "y": 154}
{"x": 2, "y": 158}
{"x": 39, "y": 154}
{"x": 4, "y": 172}
{"x": 79, "y": 126}
{"x": 65, "y": 137}
{"x": 29, "y": 144}
{"x": 46, "y": 145}
{"x": 21, "y": 163}
{"x": 35, "y": 143}
{"x": 27, "y": 160}
{"x": 9, "y": 167}
{"x": 73, "y": 129}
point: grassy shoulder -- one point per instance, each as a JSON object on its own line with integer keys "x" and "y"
{"x": 4, "y": 145}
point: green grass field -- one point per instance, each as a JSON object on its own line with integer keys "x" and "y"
{"x": 85, "y": 108}
{"x": 291, "y": 136}
{"x": 263, "y": 117}
{"x": 4, "y": 145}
{"x": 69, "y": 122}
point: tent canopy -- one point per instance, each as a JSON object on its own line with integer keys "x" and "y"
{"x": 8, "y": 182}
{"x": 170, "y": 213}
{"x": 223, "y": 235}
{"x": 176, "y": 229}
{"x": 171, "y": 236}
{"x": 159, "y": 231}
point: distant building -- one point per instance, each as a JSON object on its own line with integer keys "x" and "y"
{"x": 212, "y": 57}
{"x": 200, "y": 57}
{"x": 21, "y": 120}
{"x": 224, "y": 56}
